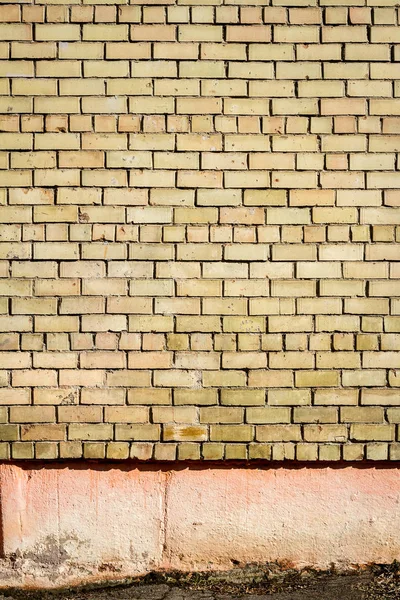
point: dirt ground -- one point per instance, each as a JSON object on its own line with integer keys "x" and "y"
{"x": 268, "y": 582}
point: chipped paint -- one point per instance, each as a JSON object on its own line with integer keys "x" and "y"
{"x": 64, "y": 524}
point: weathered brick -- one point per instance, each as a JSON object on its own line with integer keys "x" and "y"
{"x": 233, "y": 260}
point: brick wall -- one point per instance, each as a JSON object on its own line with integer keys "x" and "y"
{"x": 199, "y": 251}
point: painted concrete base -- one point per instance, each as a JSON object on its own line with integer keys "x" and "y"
{"x": 65, "y": 524}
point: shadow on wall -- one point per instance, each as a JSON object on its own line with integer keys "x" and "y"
{"x": 195, "y": 465}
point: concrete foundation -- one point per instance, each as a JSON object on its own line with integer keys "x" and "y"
{"x": 66, "y": 524}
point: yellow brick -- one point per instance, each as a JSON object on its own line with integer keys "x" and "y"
{"x": 315, "y": 415}
{"x": 153, "y": 33}
{"x": 10, "y": 13}
{"x": 190, "y": 276}
{"x": 104, "y": 32}
{"x": 89, "y": 432}
{"x": 15, "y": 105}
{"x": 372, "y": 432}
{"x": 198, "y": 106}
{"x": 121, "y": 50}
{"x": 336, "y": 397}
{"x": 81, "y": 50}
{"x": 325, "y": 433}
{"x": 278, "y": 433}
{"x": 199, "y": 33}
{"x": 229, "y": 51}
{"x": 56, "y": 32}
{"x": 237, "y": 433}
{"x": 32, "y": 50}
{"x": 15, "y": 31}
{"x": 43, "y": 432}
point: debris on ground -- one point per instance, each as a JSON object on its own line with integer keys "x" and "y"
{"x": 253, "y": 582}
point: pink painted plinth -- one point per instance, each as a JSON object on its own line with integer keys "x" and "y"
{"x": 64, "y": 524}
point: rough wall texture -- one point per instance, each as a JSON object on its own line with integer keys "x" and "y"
{"x": 199, "y": 251}
{"x": 65, "y": 525}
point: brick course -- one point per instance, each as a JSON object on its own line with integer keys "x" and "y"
{"x": 200, "y": 224}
